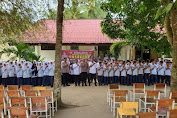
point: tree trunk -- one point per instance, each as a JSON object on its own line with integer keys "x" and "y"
{"x": 174, "y": 66}
{"x": 58, "y": 48}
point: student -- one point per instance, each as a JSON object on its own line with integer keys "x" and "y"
{"x": 40, "y": 74}
{"x": 0, "y": 73}
{"x": 117, "y": 73}
{"x": 11, "y": 69}
{"x": 153, "y": 72}
{"x": 46, "y": 74}
{"x": 51, "y": 73}
{"x": 76, "y": 68}
{"x": 100, "y": 73}
{"x": 92, "y": 71}
{"x": 129, "y": 73}
{"x": 123, "y": 74}
{"x": 140, "y": 72}
{"x": 19, "y": 73}
{"x": 168, "y": 74}
{"x": 161, "y": 73}
{"x": 84, "y": 70}
{"x": 106, "y": 73}
{"x": 135, "y": 73}
{"x": 147, "y": 72}
{"x": 34, "y": 74}
{"x": 26, "y": 74}
{"x": 5, "y": 74}
{"x": 65, "y": 71}
{"x": 111, "y": 74}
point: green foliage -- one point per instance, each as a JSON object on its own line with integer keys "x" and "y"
{"x": 115, "y": 48}
{"x": 20, "y": 50}
{"x": 134, "y": 21}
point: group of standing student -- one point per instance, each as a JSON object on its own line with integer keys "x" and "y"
{"x": 27, "y": 73}
{"x": 116, "y": 71}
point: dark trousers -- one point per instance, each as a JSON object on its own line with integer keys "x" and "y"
{"x": 83, "y": 78}
{"x": 105, "y": 80}
{"x": 100, "y": 80}
{"x": 129, "y": 79}
{"x": 77, "y": 80}
{"x": 51, "y": 80}
{"x": 26, "y": 81}
{"x": 168, "y": 79}
{"x": 110, "y": 80}
{"x": 162, "y": 78}
{"x": 33, "y": 81}
{"x": 39, "y": 81}
{"x": 65, "y": 79}
{"x": 117, "y": 79}
{"x": 19, "y": 81}
{"x": 5, "y": 82}
{"x": 158, "y": 78}
{"x": 123, "y": 80}
{"x": 45, "y": 81}
{"x": 134, "y": 79}
{"x": 12, "y": 81}
{"x": 153, "y": 79}
{"x": 140, "y": 76}
{"x": 91, "y": 77}
{"x": 147, "y": 79}
{"x": 0, "y": 80}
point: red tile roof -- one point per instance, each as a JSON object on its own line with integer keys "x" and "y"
{"x": 81, "y": 31}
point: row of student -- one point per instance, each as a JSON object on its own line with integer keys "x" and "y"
{"x": 117, "y": 72}
{"x": 27, "y": 73}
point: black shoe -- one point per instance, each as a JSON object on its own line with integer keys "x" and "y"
{"x": 86, "y": 85}
{"x": 95, "y": 85}
{"x": 67, "y": 85}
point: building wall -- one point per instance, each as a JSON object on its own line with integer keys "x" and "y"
{"x": 126, "y": 53}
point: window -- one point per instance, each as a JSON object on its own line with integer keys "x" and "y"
{"x": 74, "y": 48}
{"x": 48, "y": 47}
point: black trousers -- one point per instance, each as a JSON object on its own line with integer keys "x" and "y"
{"x": 83, "y": 78}
{"x": 77, "y": 80}
{"x": 91, "y": 77}
{"x": 65, "y": 79}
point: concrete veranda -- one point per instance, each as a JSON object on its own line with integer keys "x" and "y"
{"x": 91, "y": 101}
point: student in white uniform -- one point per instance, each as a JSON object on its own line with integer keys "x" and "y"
{"x": 111, "y": 74}
{"x": 51, "y": 73}
{"x": 19, "y": 73}
{"x": 40, "y": 74}
{"x": 129, "y": 73}
{"x": 100, "y": 73}
{"x": 5, "y": 74}
{"x": 92, "y": 71}
{"x": 161, "y": 72}
{"x": 26, "y": 74}
{"x": 106, "y": 73}
{"x": 168, "y": 74}
{"x": 76, "y": 69}
{"x": 140, "y": 72}
{"x": 117, "y": 73}
{"x": 153, "y": 71}
{"x": 147, "y": 72}
{"x": 135, "y": 73}
{"x": 46, "y": 74}
{"x": 12, "y": 73}
{"x": 123, "y": 74}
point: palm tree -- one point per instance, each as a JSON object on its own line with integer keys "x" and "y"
{"x": 20, "y": 50}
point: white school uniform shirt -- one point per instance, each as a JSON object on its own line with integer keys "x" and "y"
{"x": 26, "y": 72}
{"x": 19, "y": 72}
{"x": 140, "y": 71}
{"x": 46, "y": 71}
{"x": 40, "y": 71}
{"x": 111, "y": 73}
{"x": 117, "y": 72}
{"x": 154, "y": 71}
{"x": 168, "y": 71}
{"x": 123, "y": 73}
{"x": 129, "y": 72}
{"x": 5, "y": 71}
{"x": 105, "y": 58}
{"x": 11, "y": 70}
{"x": 135, "y": 72}
{"x": 51, "y": 70}
{"x": 161, "y": 72}
{"x": 148, "y": 69}
{"x": 92, "y": 69}
{"x": 106, "y": 72}
{"x": 100, "y": 72}
{"x": 76, "y": 68}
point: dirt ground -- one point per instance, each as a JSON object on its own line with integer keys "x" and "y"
{"x": 91, "y": 102}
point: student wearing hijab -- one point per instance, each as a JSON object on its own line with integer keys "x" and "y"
{"x": 26, "y": 74}
{"x": 19, "y": 73}
{"x": 51, "y": 73}
{"x": 12, "y": 74}
{"x": 40, "y": 74}
{"x": 46, "y": 74}
{"x": 0, "y": 73}
{"x": 5, "y": 74}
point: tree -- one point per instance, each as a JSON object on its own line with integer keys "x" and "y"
{"x": 135, "y": 20}
{"x": 20, "y": 50}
